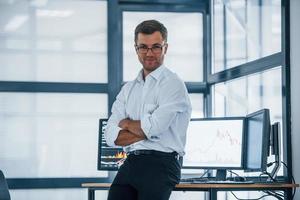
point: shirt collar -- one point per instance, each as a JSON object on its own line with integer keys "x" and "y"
{"x": 155, "y": 74}
{"x": 139, "y": 78}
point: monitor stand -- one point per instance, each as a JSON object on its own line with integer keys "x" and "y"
{"x": 221, "y": 175}
{"x": 276, "y": 168}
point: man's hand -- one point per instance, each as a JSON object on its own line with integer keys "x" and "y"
{"x": 133, "y": 126}
{"x": 126, "y": 138}
{"x": 123, "y": 124}
{"x": 131, "y": 132}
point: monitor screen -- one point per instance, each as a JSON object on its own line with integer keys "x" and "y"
{"x": 108, "y": 157}
{"x": 215, "y": 143}
{"x": 258, "y": 140}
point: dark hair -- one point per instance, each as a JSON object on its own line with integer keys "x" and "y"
{"x": 149, "y": 27}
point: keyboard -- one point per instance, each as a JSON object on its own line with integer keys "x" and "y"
{"x": 212, "y": 181}
{"x": 222, "y": 182}
{"x": 198, "y": 179}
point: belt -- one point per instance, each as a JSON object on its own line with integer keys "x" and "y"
{"x": 153, "y": 152}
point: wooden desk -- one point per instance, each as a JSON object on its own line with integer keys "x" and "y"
{"x": 211, "y": 188}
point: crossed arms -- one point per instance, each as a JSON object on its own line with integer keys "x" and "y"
{"x": 131, "y": 132}
{"x": 155, "y": 119}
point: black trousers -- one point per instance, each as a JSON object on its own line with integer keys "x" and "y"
{"x": 146, "y": 177}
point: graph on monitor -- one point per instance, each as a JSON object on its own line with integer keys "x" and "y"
{"x": 108, "y": 157}
{"x": 214, "y": 143}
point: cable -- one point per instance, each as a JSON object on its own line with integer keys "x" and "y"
{"x": 267, "y": 173}
{"x": 235, "y": 173}
{"x": 243, "y": 177}
{"x": 277, "y": 195}
{"x": 269, "y": 193}
{"x": 206, "y": 171}
{"x": 293, "y": 180}
{"x": 270, "y": 164}
{"x": 250, "y": 199}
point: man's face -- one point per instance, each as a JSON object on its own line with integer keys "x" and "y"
{"x": 151, "y": 59}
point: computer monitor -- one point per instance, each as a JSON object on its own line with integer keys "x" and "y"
{"x": 257, "y": 140}
{"x": 275, "y": 149}
{"x": 108, "y": 157}
{"x": 214, "y": 143}
{"x": 275, "y": 139}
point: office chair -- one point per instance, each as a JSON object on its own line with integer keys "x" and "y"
{"x": 4, "y": 193}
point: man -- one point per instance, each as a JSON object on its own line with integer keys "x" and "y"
{"x": 149, "y": 119}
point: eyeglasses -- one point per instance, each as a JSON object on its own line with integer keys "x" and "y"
{"x": 143, "y": 49}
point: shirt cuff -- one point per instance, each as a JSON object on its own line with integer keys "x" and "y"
{"x": 113, "y": 135}
{"x": 148, "y": 128}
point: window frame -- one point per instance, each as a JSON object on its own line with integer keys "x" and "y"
{"x": 115, "y": 76}
{"x": 282, "y": 59}
{"x": 53, "y": 87}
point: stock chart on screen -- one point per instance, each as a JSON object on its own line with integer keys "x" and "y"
{"x": 214, "y": 143}
{"x": 109, "y": 158}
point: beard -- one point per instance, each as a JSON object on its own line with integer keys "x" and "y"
{"x": 151, "y": 63}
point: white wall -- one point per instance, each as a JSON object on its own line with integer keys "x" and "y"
{"x": 295, "y": 87}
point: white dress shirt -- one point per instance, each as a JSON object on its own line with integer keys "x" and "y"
{"x": 161, "y": 103}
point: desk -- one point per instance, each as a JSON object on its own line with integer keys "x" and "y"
{"x": 211, "y": 188}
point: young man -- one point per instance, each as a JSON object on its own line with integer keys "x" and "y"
{"x": 149, "y": 119}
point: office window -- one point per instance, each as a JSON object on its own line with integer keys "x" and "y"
{"x": 245, "y": 30}
{"x": 185, "y": 39}
{"x": 197, "y": 105}
{"x": 50, "y": 134}
{"x": 248, "y": 94}
{"x": 53, "y": 41}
